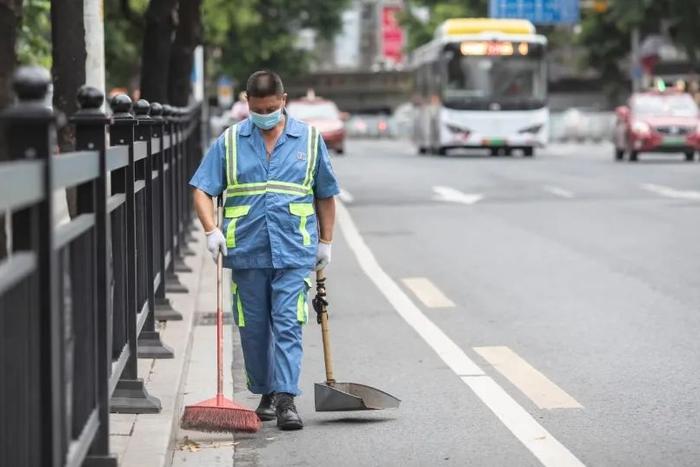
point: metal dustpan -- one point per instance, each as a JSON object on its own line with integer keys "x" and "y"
{"x": 333, "y": 396}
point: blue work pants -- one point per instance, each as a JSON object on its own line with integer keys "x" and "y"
{"x": 269, "y": 308}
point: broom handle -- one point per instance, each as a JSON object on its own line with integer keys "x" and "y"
{"x": 219, "y": 315}
{"x": 325, "y": 333}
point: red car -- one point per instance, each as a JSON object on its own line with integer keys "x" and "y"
{"x": 324, "y": 115}
{"x": 657, "y": 122}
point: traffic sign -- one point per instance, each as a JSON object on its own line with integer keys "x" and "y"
{"x": 537, "y": 11}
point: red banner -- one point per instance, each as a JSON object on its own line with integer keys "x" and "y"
{"x": 392, "y": 35}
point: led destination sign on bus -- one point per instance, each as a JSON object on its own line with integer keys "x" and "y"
{"x": 493, "y": 48}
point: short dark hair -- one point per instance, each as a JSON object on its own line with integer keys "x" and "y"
{"x": 264, "y": 83}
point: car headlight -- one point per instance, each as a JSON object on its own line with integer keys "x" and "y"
{"x": 641, "y": 127}
{"x": 456, "y": 129}
{"x": 534, "y": 129}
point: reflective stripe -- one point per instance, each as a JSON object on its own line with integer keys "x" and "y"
{"x": 232, "y": 154}
{"x": 312, "y": 149}
{"x": 249, "y": 189}
{"x": 302, "y": 308}
{"x": 241, "y": 316}
{"x": 239, "y": 305}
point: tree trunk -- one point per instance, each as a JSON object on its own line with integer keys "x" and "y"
{"x": 69, "y": 55}
{"x": 157, "y": 42}
{"x": 187, "y": 37}
{"x": 10, "y": 19}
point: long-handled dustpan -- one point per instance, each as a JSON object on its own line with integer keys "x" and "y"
{"x": 333, "y": 396}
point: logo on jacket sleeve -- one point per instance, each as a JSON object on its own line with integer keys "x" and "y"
{"x": 301, "y": 156}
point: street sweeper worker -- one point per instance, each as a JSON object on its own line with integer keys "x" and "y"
{"x": 279, "y": 213}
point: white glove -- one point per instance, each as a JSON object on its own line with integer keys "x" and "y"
{"x": 323, "y": 255}
{"x": 216, "y": 242}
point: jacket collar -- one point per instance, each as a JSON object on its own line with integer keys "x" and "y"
{"x": 293, "y": 127}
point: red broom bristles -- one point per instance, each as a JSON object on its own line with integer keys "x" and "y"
{"x": 220, "y": 415}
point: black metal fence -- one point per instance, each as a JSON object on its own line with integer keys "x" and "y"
{"x": 79, "y": 301}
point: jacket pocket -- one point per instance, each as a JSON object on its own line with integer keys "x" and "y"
{"x": 233, "y": 213}
{"x": 303, "y": 211}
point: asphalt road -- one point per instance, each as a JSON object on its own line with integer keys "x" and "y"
{"x": 569, "y": 281}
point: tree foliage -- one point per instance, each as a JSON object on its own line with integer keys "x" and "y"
{"x": 34, "y": 35}
{"x": 251, "y": 34}
{"x": 420, "y": 32}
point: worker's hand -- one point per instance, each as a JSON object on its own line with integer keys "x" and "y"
{"x": 323, "y": 255}
{"x": 216, "y": 242}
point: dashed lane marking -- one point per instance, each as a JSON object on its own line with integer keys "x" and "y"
{"x": 545, "y": 447}
{"x": 535, "y": 385}
{"x": 672, "y": 192}
{"x": 450, "y": 195}
{"x": 557, "y": 191}
{"x": 427, "y": 292}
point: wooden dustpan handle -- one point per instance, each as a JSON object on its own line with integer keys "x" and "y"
{"x": 321, "y": 308}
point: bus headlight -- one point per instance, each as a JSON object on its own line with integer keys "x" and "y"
{"x": 533, "y": 130}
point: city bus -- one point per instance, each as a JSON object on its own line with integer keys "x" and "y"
{"x": 481, "y": 83}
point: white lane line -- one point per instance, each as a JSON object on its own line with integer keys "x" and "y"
{"x": 450, "y": 195}
{"x": 672, "y": 192}
{"x": 557, "y": 191}
{"x": 540, "y": 389}
{"x": 345, "y": 196}
{"x": 427, "y": 292}
{"x": 531, "y": 434}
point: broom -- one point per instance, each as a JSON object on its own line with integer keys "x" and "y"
{"x": 219, "y": 414}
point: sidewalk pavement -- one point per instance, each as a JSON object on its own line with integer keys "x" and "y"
{"x": 145, "y": 440}
{"x": 155, "y": 440}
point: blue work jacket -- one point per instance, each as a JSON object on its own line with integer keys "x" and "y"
{"x": 269, "y": 216}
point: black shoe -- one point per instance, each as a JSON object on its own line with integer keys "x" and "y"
{"x": 266, "y": 408}
{"x": 287, "y": 416}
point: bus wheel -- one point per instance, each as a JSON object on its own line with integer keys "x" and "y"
{"x": 529, "y": 152}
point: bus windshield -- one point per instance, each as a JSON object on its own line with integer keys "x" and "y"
{"x": 504, "y": 81}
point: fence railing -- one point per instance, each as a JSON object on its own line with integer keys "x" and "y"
{"x": 79, "y": 301}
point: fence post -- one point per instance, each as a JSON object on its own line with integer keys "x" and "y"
{"x": 90, "y": 134}
{"x": 30, "y": 131}
{"x": 150, "y": 344}
{"x": 130, "y": 394}
{"x": 180, "y": 124}
{"x": 164, "y": 310}
{"x": 173, "y": 283}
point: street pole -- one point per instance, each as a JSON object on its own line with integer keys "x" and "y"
{"x": 634, "y": 57}
{"x": 93, "y": 20}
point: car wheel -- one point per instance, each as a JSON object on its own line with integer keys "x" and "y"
{"x": 634, "y": 155}
{"x": 422, "y": 150}
{"x": 494, "y": 152}
{"x": 529, "y": 152}
{"x": 340, "y": 151}
{"x": 619, "y": 154}
{"x": 690, "y": 156}
{"x": 442, "y": 151}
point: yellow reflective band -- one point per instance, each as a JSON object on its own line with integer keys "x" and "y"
{"x": 274, "y": 186}
{"x": 312, "y": 147}
{"x": 231, "y": 154}
{"x": 302, "y": 308}
{"x": 231, "y": 234}
{"x": 241, "y": 316}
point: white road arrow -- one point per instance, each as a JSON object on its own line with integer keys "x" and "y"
{"x": 450, "y": 195}
{"x": 671, "y": 192}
